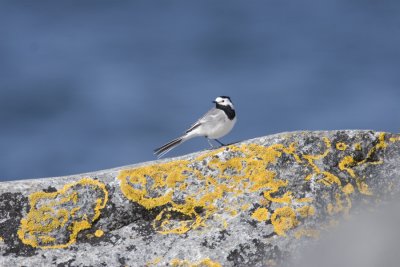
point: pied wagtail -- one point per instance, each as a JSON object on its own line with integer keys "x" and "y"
{"x": 216, "y": 123}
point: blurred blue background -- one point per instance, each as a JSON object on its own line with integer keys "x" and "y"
{"x": 90, "y": 85}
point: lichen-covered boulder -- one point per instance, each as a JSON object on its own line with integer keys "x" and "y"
{"x": 253, "y": 203}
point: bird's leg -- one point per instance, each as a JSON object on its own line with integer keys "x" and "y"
{"x": 209, "y": 142}
{"x": 219, "y": 142}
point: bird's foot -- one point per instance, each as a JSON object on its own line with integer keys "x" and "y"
{"x": 219, "y": 142}
{"x": 209, "y": 142}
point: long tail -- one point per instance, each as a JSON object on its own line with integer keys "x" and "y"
{"x": 161, "y": 151}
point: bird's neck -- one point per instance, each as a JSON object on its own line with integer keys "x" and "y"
{"x": 229, "y": 111}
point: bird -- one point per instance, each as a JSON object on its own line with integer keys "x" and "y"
{"x": 216, "y": 123}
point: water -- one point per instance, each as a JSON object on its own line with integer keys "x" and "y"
{"x": 98, "y": 84}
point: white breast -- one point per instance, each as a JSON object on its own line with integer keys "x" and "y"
{"x": 221, "y": 129}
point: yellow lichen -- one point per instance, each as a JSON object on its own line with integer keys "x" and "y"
{"x": 348, "y": 164}
{"x": 311, "y": 233}
{"x": 330, "y": 209}
{"x": 341, "y": 146}
{"x": 154, "y": 262}
{"x": 345, "y": 165}
{"x": 348, "y": 189}
{"x": 134, "y": 182}
{"x": 49, "y": 218}
{"x": 249, "y": 175}
{"x": 394, "y": 139}
{"x": 312, "y": 158}
{"x": 324, "y": 177}
{"x": 46, "y": 239}
{"x": 245, "y": 207}
{"x": 249, "y": 171}
{"x": 357, "y": 146}
{"x": 340, "y": 206}
{"x": 260, "y": 214}
{"x": 164, "y": 225}
{"x": 304, "y": 199}
{"x": 284, "y": 219}
{"x": 99, "y": 233}
{"x": 329, "y": 179}
{"x": 207, "y": 262}
{"x": 306, "y": 211}
{"x": 381, "y": 145}
{"x": 286, "y": 198}
{"x": 364, "y": 188}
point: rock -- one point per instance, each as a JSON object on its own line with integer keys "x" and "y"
{"x": 254, "y": 203}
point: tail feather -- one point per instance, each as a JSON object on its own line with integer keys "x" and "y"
{"x": 161, "y": 151}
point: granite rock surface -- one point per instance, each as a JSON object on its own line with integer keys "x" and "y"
{"x": 253, "y": 203}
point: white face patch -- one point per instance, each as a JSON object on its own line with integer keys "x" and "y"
{"x": 218, "y": 99}
{"x": 223, "y": 101}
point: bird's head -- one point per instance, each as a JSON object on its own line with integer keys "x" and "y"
{"x": 223, "y": 101}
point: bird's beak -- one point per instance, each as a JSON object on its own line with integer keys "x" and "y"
{"x": 215, "y": 102}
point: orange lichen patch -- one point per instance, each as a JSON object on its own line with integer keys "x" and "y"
{"x": 239, "y": 175}
{"x": 330, "y": 209}
{"x": 308, "y": 177}
{"x": 207, "y": 262}
{"x": 154, "y": 262}
{"x": 310, "y": 233}
{"x": 304, "y": 200}
{"x": 47, "y": 239}
{"x": 364, "y": 188}
{"x": 264, "y": 202}
{"x": 345, "y": 165}
{"x": 245, "y": 207}
{"x": 348, "y": 189}
{"x": 357, "y": 146}
{"x": 348, "y": 163}
{"x": 164, "y": 225}
{"x": 99, "y": 233}
{"x": 260, "y": 214}
{"x": 340, "y": 206}
{"x": 284, "y": 219}
{"x": 286, "y": 198}
{"x": 306, "y": 211}
{"x": 233, "y": 163}
{"x": 247, "y": 169}
{"x": 394, "y": 139}
{"x": 312, "y": 158}
{"x": 54, "y": 220}
{"x": 381, "y": 145}
{"x": 324, "y": 177}
{"x": 329, "y": 179}
{"x": 135, "y": 186}
{"x": 341, "y": 146}
{"x": 206, "y": 155}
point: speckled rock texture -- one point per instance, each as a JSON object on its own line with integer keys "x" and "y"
{"x": 253, "y": 203}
